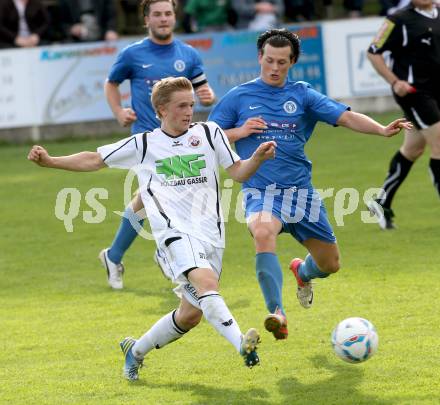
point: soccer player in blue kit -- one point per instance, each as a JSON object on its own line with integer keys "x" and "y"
{"x": 144, "y": 63}
{"x": 280, "y": 196}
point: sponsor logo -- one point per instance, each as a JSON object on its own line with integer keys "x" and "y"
{"x": 179, "y": 65}
{"x": 191, "y": 290}
{"x": 282, "y": 124}
{"x": 181, "y": 167}
{"x": 194, "y": 141}
{"x": 383, "y": 34}
{"x": 147, "y": 66}
{"x": 253, "y": 107}
{"x": 289, "y": 107}
{"x": 228, "y": 323}
{"x": 57, "y": 54}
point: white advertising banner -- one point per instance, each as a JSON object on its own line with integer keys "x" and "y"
{"x": 57, "y": 84}
{"x": 70, "y": 80}
{"x": 64, "y": 83}
{"x": 16, "y": 97}
{"x": 349, "y": 73}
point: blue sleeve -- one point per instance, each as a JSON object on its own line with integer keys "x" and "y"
{"x": 225, "y": 113}
{"x": 121, "y": 69}
{"x": 323, "y": 108}
{"x": 197, "y": 65}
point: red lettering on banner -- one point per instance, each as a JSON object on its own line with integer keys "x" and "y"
{"x": 201, "y": 43}
{"x": 308, "y": 32}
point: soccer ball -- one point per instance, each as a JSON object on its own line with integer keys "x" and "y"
{"x": 355, "y": 340}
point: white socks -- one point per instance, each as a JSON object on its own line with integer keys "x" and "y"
{"x": 218, "y": 315}
{"x": 164, "y": 331}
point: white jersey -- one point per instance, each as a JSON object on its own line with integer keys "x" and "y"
{"x": 178, "y": 178}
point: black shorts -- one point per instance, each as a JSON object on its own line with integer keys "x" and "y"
{"x": 421, "y": 108}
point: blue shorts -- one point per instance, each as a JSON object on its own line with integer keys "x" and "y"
{"x": 300, "y": 211}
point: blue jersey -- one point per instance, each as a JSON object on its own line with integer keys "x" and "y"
{"x": 144, "y": 63}
{"x": 291, "y": 113}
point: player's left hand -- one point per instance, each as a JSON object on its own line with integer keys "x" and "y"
{"x": 395, "y": 127}
{"x": 205, "y": 95}
{"x": 266, "y": 151}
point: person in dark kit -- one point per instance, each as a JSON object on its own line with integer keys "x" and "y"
{"x": 412, "y": 35}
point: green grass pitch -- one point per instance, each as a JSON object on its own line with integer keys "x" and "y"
{"x": 60, "y": 323}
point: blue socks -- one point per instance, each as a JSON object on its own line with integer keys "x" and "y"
{"x": 125, "y": 236}
{"x": 309, "y": 270}
{"x": 270, "y": 278}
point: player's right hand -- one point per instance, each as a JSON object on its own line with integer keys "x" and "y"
{"x": 402, "y": 88}
{"x": 254, "y": 125}
{"x": 126, "y": 116}
{"x": 394, "y": 127}
{"x": 39, "y": 156}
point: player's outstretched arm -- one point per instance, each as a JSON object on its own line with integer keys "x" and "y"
{"x": 79, "y": 162}
{"x": 243, "y": 169}
{"x": 366, "y": 125}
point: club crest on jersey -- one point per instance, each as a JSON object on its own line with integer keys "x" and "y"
{"x": 289, "y": 107}
{"x": 194, "y": 141}
{"x": 179, "y": 65}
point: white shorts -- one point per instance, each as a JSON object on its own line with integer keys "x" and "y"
{"x": 180, "y": 252}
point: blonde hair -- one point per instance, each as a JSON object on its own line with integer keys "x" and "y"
{"x": 164, "y": 89}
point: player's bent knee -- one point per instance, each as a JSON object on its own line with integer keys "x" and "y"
{"x": 331, "y": 266}
{"x": 435, "y": 149}
{"x": 188, "y": 318}
{"x": 413, "y": 153}
{"x": 203, "y": 280}
{"x": 263, "y": 235}
{"x": 418, "y": 153}
{"x": 207, "y": 285}
{"x": 191, "y": 320}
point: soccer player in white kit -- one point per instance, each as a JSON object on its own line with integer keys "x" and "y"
{"x": 178, "y": 171}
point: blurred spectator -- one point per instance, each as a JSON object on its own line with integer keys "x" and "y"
{"x": 23, "y": 23}
{"x": 208, "y": 15}
{"x": 299, "y": 10}
{"x": 328, "y": 8}
{"x": 258, "y": 15}
{"x": 387, "y": 6}
{"x": 88, "y": 20}
{"x": 354, "y": 8}
{"x": 129, "y": 18}
{"x": 394, "y": 6}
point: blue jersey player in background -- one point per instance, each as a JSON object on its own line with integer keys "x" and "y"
{"x": 144, "y": 63}
{"x": 280, "y": 196}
